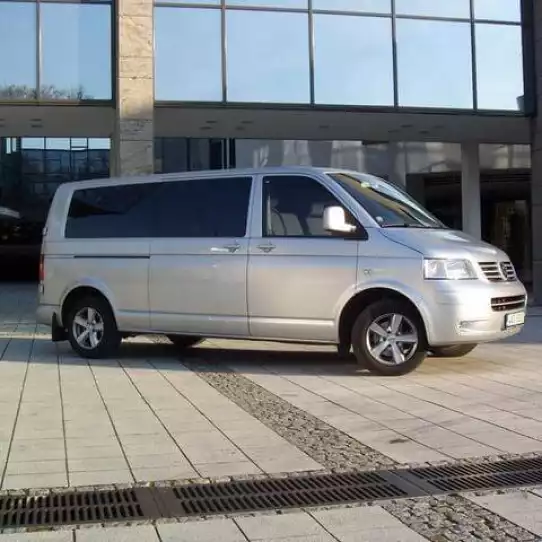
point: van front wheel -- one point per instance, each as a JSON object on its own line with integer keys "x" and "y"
{"x": 92, "y": 329}
{"x": 389, "y": 338}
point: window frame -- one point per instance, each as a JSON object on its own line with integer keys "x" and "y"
{"x": 159, "y": 184}
{"x": 360, "y": 234}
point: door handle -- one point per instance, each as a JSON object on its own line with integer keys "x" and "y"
{"x": 268, "y": 247}
{"x": 226, "y": 249}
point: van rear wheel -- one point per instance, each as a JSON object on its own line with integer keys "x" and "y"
{"x": 457, "y": 351}
{"x": 92, "y": 329}
{"x": 389, "y": 338}
{"x": 184, "y": 341}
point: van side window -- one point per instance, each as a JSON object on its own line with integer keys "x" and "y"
{"x": 110, "y": 211}
{"x": 293, "y": 206}
{"x": 216, "y": 207}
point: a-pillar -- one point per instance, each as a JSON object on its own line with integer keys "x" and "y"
{"x": 470, "y": 189}
{"x": 133, "y": 141}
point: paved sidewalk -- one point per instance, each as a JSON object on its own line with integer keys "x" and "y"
{"x": 234, "y": 408}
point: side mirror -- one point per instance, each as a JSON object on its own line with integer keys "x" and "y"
{"x": 335, "y": 221}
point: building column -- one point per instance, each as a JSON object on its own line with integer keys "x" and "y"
{"x": 132, "y": 142}
{"x": 470, "y": 189}
{"x": 536, "y": 159}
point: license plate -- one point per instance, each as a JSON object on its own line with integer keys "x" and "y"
{"x": 515, "y": 319}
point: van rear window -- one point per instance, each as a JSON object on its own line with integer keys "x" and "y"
{"x": 111, "y": 211}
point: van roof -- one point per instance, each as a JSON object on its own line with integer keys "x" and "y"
{"x": 202, "y": 174}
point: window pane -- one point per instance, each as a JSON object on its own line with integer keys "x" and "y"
{"x": 498, "y": 10}
{"x": 367, "y": 6}
{"x": 353, "y": 63}
{"x": 203, "y": 208}
{"x": 434, "y": 8}
{"x": 432, "y": 73}
{"x": 76, "y": 49}
{"x": 110, "y": 212}
{"x": 499, "y": 66}
{"x": 188, "y": 59}
{"x": 18, "y": 45}
{"x": 292, "y": 4}
{"x": 294, "y": 207}
{"x": 268, "y": 57}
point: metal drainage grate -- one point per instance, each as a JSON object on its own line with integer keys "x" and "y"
{"x": 75, "y": 508}
{"x": 316, "y": 489}
{"x": 501, "y": 474}
{"x": 301, "y": 491}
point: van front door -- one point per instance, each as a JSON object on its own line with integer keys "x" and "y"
{"x": 298, "y": 272}
{"x": 198, "y": 266}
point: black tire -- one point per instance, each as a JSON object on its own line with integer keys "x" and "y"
{"x": 108, "y": 340}
{"x": 412, "y": 352}
{"x": 184, "y": 341}
{"x": 457, "y": 351}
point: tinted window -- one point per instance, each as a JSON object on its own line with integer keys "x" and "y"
{"x": 203, "y": 208}
{"x": 111, "y": 211}
{"x": 294, "y": 207}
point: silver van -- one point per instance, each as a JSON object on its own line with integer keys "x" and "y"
{"x": 280, "y": 254}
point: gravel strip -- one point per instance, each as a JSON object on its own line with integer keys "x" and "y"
{"x": 455, "y": 519}
{"x": 324, "y": 443}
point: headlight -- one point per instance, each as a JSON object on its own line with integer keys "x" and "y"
{"x": 448, "y": 270}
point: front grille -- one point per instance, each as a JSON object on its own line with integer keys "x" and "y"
{"x": 498, "y": 271}
{"x": 502, "y": 304}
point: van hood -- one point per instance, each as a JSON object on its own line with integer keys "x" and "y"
{"x": 437, "y": 243}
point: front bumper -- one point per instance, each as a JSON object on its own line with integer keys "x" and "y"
{"x": 472, "y": 311}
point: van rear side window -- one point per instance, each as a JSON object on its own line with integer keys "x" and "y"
{"x": 214, "y": 207}
{"x": 111, "y": 211}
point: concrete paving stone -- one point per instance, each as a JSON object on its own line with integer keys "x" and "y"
{"x": 157, "y": 460}
{"x": 345, "y": 520}
{"x": 35, "y": 481}
{"x": 509, "y": 442}
{"x": 90, "y": 478}
{"x": 160, "y": 446}
{"x": 522, "y": 508}
{"x": 25, "y": 433}
{"x": 35, "y": 450}
{"x": 143, "y": 430}
{"x": 91, "y": 441}
{"x": 181, "y": 471}
{"x": 213, "y": 530}
{"x": 279, "y": 526}
{"x": 36, "y": 467}
{"x": 87, "y": 452}
{"x": 394, "y": 534}
{"x": 200, "y": 454}
{"x": 39, "y": 536}
{"x": 403, "y": 450}
{"x": 212, "y": 470}
{"x": 96, "y": 464}
{"x": 134, "y": 533}
{"x": 213, "y": 439}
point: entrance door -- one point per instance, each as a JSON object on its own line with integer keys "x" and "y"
{"x": 198, "y": 261}
{"x": 298, "y": 272}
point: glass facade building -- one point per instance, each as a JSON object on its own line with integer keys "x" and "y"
{"x": 422, "y": 92}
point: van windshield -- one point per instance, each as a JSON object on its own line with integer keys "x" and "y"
{"x": 390, "y": 206}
